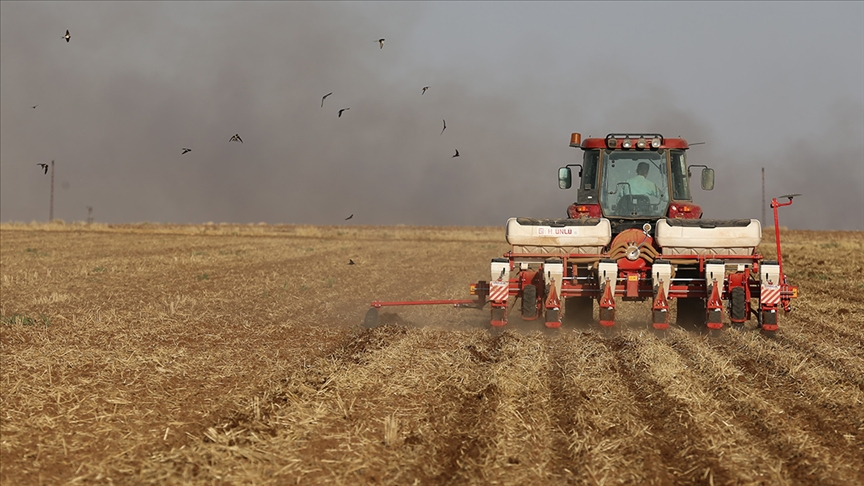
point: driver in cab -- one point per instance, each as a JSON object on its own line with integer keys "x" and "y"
{"x": 640, "y": 185}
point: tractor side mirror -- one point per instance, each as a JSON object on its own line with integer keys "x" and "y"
{"x": 707, "y": 178}
{"x": 565, "y": 178}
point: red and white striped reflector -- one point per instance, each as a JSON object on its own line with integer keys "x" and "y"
{"x": 770, "y": 295}
{"x": 499, "y": 291}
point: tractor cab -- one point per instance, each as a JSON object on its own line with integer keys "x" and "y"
{"x": 632, "y": 179}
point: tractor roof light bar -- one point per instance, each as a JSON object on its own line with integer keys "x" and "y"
{"x": 634, "y": 135}
{"x": 643, "y": 140}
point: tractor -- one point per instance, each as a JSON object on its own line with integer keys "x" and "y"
{"x": 633, "y": 234}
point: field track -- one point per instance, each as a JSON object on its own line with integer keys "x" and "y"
{"x": 233, "y": 354}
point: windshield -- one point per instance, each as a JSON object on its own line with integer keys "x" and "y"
{"x": 634, "y": 184}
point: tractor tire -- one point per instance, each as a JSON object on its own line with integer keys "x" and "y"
{"x": 738, "y": 306}
{"x": 529, "y": 301}
{"x": 692, "y": 313}
{"x": 579, "y": 310}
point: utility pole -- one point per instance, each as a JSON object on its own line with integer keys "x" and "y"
{"x": 763, "y": 195}
{"x": 51, "y": 207}
{"x": 89, "y": 214}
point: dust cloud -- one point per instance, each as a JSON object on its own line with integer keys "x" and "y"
{"x": 139, "y": 81}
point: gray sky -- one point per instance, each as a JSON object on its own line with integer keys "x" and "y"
{"x": 775, "y": 85}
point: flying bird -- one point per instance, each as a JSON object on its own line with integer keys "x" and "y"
{"x": 34, "y": 106}
{"x": 236, "y": 138}
{"x": 350, "y": 262}
{"x": 44, "y": 168}
{"x": 445, "y": 127}
{"x": 457, "y": 153}
{"x": 424, "y": 89}
{"x": 186, "y": 150}
{"x": 381, "y": 41}
{"x": 67, "y": 36}
{"x": 343, "y": 109}
{"x": 349, "y": 217}
{"x": 325, "y": 97}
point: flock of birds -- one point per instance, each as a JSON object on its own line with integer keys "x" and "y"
{"x": 236, "y": 137}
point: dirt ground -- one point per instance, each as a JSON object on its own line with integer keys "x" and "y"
{"x": 233, "y": 354}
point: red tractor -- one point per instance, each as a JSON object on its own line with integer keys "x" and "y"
{"x": 633, "y": 234}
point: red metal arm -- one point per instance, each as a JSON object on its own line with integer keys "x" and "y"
{"x": 455, "y": 303}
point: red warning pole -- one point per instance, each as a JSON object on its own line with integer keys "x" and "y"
{"x": 763, "y": 196}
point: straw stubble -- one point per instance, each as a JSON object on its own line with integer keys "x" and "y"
{"x": 232, "y": 353}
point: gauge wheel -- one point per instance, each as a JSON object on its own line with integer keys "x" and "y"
{"x": 371, "y": 319}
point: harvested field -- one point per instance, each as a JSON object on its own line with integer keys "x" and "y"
{"x": 233, "y": 354}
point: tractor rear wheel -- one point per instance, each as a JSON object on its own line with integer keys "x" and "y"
{"x": 579, "y": 310}
{"x": 691, "y": 313}
{"x": 737, "y": 306}
{"x": 529, "y": 301}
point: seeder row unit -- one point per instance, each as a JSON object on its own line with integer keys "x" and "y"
{"x": 558, "y": 269}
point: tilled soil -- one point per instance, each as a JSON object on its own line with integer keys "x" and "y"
{"x": 131, "y": 355}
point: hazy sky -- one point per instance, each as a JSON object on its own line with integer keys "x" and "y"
{"x": 776, "y": 85}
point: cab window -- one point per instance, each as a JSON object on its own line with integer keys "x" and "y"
{"x": 589, "y": 169}
{"x": 680, "y": 180}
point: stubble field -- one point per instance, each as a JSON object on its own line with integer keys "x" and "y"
{"x": 233, "y": 354}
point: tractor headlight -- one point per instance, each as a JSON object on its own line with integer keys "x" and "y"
{"x": 655, "y": 143}
{"x": 641, "y": 143}
{"x": 612, "y": 142}
{"x": 627, "y": 143}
